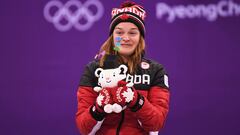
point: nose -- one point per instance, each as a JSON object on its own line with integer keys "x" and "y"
{"x": 107, "y": 78}
{"x": 125, "y": 38}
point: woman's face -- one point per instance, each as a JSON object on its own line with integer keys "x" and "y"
{"x": 130, "y": 36}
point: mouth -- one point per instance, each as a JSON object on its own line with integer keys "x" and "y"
{"x": 108, "y": 81}
{"x": 126, "y": 45}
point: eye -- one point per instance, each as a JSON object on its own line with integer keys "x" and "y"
{"x": 132, "y": 33}
{"x": 114, "y": 74}
{"x": 119, "y": 32}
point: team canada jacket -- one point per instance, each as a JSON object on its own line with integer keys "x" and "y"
{"x": 150, "y": 81}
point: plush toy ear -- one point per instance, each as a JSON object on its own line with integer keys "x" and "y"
{"x": 123, "y": 69}
{"x": 98, "y": 71}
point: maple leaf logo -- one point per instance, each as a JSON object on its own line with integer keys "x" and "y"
{"x": 128, "y": 95}
{"x": 124, "y": 17}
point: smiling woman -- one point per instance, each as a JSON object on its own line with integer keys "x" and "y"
{"x": 142, "y": 92}
{"x": 130, "y": 38}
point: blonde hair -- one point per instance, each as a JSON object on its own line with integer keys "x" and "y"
{"x": 133, "y": 60}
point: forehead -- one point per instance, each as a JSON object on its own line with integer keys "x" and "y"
{"x": 126, "y": 26}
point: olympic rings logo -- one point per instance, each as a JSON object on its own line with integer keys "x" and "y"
{"x": 72, "y": 18}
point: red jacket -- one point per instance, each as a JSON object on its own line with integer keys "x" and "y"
{"x": 149, "y": 118}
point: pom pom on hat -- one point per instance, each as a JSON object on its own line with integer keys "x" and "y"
{"x": 127, "y": 4}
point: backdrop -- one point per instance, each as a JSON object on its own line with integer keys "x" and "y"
{"x": 46, "y": 44}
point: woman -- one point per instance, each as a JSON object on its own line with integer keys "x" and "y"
{"x": 148, "y": 108}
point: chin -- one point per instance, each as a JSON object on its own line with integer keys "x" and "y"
{"x": 125, "y": 53}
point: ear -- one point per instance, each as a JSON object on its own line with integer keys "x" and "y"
{"x": 123, "y": 69}
{"x": 98, "y": 71}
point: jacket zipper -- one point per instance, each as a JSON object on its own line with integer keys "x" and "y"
{"x": 120, "y": 123}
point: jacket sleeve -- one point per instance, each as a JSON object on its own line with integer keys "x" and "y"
{"x": 86, "y": 97}
{"x": 153, "y": 112}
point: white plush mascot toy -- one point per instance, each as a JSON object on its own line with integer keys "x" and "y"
{"x": 109, "y": 78}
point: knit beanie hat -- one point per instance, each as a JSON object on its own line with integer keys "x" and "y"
{"x": 129, "y": 12}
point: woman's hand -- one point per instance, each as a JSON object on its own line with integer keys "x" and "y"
{"x": 103, "y": 101}
{"x": 124, "y": 95}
